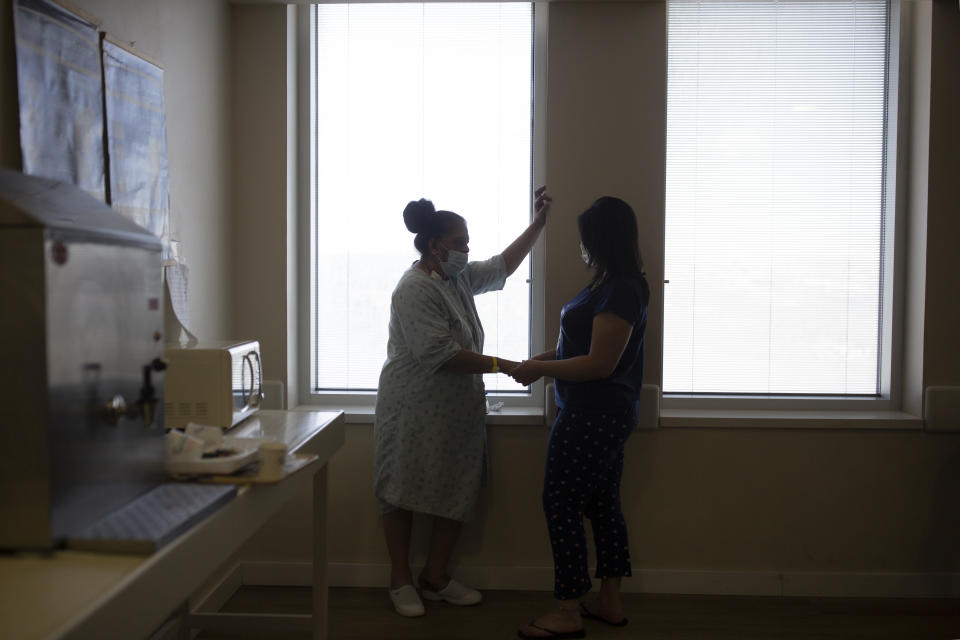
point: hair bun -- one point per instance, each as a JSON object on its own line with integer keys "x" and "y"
{"x": 416, "y": 215}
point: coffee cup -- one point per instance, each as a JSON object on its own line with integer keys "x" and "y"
{"x": 272, "y": 456}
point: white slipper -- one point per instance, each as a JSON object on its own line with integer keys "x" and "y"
{"x": 406, "y": 601}
{"x": 455, "y": 593}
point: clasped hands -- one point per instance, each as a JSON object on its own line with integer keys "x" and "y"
{"x": 525, "y": 372}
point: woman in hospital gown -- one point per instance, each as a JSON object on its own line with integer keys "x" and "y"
{"x": 429, "y": 433}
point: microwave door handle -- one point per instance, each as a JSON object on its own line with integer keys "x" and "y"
{"x": 247, "y": 394}
{"x": 256, "y": 398}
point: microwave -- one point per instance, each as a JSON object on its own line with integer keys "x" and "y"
{"x": 212, "y": 383}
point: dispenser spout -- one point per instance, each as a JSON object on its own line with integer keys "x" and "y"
{"x": 147, "y": 402}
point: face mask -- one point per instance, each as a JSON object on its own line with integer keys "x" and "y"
{"x": 456, "y": 262}
{"x": 584, "y": 254}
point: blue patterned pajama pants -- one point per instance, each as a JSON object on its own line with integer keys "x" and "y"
{"x": 584, "y": 467}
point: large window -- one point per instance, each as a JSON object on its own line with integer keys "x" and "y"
{"x": 775, "y": 207}
{"x": 427, "y": 100}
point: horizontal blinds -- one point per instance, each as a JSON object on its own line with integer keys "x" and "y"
{"x": 774, "y": 210}
{"x": 415, "y": 100}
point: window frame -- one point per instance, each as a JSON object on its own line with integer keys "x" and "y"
{"x": 517, "y": 406}
{"x": 680, "y": 408}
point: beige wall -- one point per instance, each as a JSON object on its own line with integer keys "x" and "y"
{"x": 259, "y": 133}
{"x": 941, "y": 340}
{"x": 606, "y": 135}
{"x": 191, "y": 40}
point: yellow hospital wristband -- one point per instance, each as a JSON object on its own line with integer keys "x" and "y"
{"x": 496, "y": 367}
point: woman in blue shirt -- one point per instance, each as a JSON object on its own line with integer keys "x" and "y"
{"x": 598, "y": 367}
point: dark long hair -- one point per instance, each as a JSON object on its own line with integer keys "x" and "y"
{"x": 608, "y": 231}
{"x": 422, "y": 219}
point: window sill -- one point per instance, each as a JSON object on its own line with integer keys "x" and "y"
{"x": 772, "y": 419}
{"x": 701, "y": 418}
{"x": 359, "y": 414}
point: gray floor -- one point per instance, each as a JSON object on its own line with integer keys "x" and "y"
{"x": 366, "y": 614}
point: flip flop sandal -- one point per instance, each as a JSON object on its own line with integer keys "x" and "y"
{"x": 579, "y": 633}
{"x": 586, "y": 613}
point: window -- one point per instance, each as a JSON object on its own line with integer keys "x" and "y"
{"x": 777, "y": 227}
{"x": 427, "y": 100}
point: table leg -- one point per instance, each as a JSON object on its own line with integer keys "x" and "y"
{"x": 320, "y": 623}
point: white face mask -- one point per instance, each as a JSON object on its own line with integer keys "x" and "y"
{"x": 455, "y": 263}
{"x": 584, "y": 254}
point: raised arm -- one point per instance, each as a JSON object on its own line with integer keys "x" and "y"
{"x": 519, "y": 248}
{"x": 609, "y": 337}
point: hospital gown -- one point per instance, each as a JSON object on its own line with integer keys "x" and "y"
{"x": 429, "y": 431}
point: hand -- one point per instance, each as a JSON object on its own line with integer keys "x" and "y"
{"x": 541, "y": 204}
{"x": 527, "y": 372}
{"x": 506, "y": 366}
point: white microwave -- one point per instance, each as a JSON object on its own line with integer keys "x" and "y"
{"x": 212, "y": 383}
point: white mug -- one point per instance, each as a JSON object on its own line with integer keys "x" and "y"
{"x": 272, "y": 455}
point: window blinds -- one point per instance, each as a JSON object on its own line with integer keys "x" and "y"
{"x": 774, "y": 206}
{"x": 415, "y": 100}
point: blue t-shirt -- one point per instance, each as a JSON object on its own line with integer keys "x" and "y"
{"x": 626, "y": 297}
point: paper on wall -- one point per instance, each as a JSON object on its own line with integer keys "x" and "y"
{"x": 176, "y": 278}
